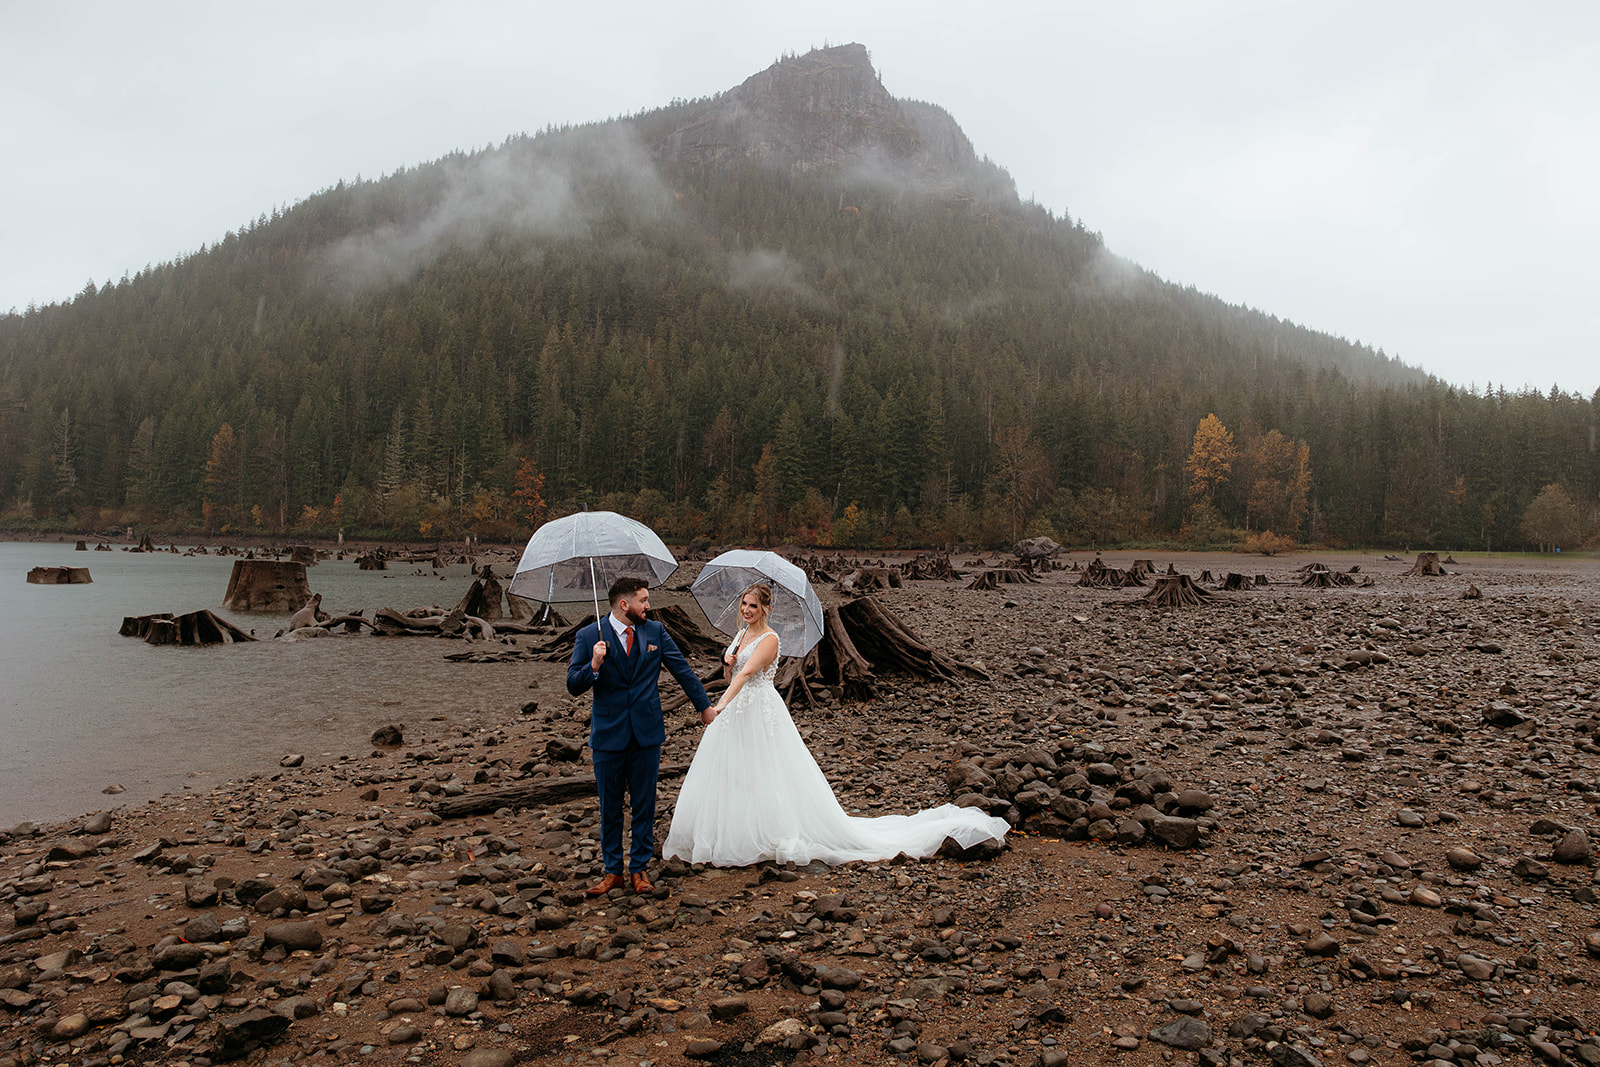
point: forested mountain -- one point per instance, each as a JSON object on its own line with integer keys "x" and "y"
{"x": 800, "y": 310}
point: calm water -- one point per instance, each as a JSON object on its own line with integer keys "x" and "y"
{"x": 82, "y": 708}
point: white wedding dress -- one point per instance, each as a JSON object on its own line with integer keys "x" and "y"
{"x": 754, "y": 792}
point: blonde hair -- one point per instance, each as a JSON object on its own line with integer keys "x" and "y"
{"x": 763, "y": 595}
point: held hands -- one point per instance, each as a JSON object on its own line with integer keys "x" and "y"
{"x": 709, "y": 716}
{"x": 599, "y": 656}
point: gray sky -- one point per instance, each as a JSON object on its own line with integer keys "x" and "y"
{"x": 1421, "y": 177}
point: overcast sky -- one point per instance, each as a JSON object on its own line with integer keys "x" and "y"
{"x": 1420, "y": 177}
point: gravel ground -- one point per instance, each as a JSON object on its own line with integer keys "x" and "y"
{"x": 1292, "y": 826}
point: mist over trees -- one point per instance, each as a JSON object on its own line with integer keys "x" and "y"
{"x": 740, "y": 353}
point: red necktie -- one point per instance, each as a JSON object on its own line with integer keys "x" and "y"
{"x": 627, "y": 640}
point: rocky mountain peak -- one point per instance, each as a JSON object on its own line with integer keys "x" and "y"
{"x": 824, "y": 111}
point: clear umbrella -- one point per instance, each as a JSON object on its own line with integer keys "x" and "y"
{"x": 796, "y": 611}
{"x": 578, "y": 555}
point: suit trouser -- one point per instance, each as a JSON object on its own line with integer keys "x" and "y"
{"x": 634, "y": 770}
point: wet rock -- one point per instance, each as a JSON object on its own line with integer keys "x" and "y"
{"x": 489, "y": 1057}
{"x": 1573, "y": 848}
{"x": 460, "y": 1001}
{"x": 247, "y": 1031}
{"x": 388, "y": 736}
{"x": 1286, "y": 1055}
{"x": 729, "y": 1007}
{"x": 295, "y": 936}
{"x": 1186, "y": 1033}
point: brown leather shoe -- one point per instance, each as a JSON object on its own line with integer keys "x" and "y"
{"x": 641, "y": 884}
{"x": 605, "y": 885}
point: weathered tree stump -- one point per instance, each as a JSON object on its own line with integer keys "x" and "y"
{"x": 1099, "y": 575}
{"x": 266, "y": 585}
{"x": 1472, "y": 593}
{"x": 1427, "y": 565}
{"x": 1205, "y": 577}
{"x": 372, "y": 561}
{"x": 931, "y": 566}
{"x": 869, "y": 579}
{"x": 59, "y": 576}
{"x": 303, "y": 554}
{"x": 1319, "y": 576}
{"x": 1175, "y": 591}
{"x": 195, "y": 628}
{"x": 1142, "y": 568}
{"x": 1236, "y": 582}
{"x": 81, "y": 546}
{"x": 992, "y": 579}
{"x": 1261, "y": 581}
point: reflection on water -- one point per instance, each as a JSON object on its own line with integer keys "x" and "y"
{"x": 82, "y": 707}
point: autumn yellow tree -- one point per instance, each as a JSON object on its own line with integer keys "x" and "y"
{"x": 224, "y": 478}
{"x": 1280, "y": 484}
{"x": 527, "y": 493}
{"x": 1210, "y": 462}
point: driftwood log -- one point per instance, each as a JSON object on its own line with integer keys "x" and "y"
{"x": 533, "y": 794}
{"x": 690, "y": 639}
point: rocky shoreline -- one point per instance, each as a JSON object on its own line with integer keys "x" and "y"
{"x": 1293, "y": 826}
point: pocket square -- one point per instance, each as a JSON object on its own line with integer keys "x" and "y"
{"x": 649, "y": 648}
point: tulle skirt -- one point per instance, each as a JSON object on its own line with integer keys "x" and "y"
{"x": 754, "y": 792}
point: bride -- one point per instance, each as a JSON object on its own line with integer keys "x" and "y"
{"x": 754, "y": 792}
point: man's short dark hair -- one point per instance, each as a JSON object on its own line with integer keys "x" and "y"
{"x": 625, "y": 587}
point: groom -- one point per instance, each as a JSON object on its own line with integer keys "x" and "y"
{"x": 621, "y": 657}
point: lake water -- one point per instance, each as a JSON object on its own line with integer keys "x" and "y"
{"x": 82, "y": 708}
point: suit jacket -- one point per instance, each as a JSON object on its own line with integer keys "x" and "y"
{"x": 627, "y": 691}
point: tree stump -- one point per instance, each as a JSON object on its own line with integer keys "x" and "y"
{"x": 1472, "y": 593}
{"x": 1175, "y": 591}
{"x": 993, "y": 579}
{"x": 1261, "y": 581}
{"x": 59, "y": 576}
{"x": 931, "y": 566}
{"x": 1236, "y": 582}
{"x": 195, "y": 628}
{"x": 1143, "y": 568}
{"x": 864, "y": 580}
{"x": 1427, "y": 565}
{"x": 1319, "y": 576}
{"x": 266, "y": 585}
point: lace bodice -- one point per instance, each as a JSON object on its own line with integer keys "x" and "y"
{"x": 771, "y": 671}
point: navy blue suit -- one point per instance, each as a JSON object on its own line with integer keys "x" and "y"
{"x": 626, "y": 728}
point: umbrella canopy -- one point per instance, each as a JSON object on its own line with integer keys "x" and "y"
{"x": 796, "y": 611}
{"x": 578, "y": 555}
